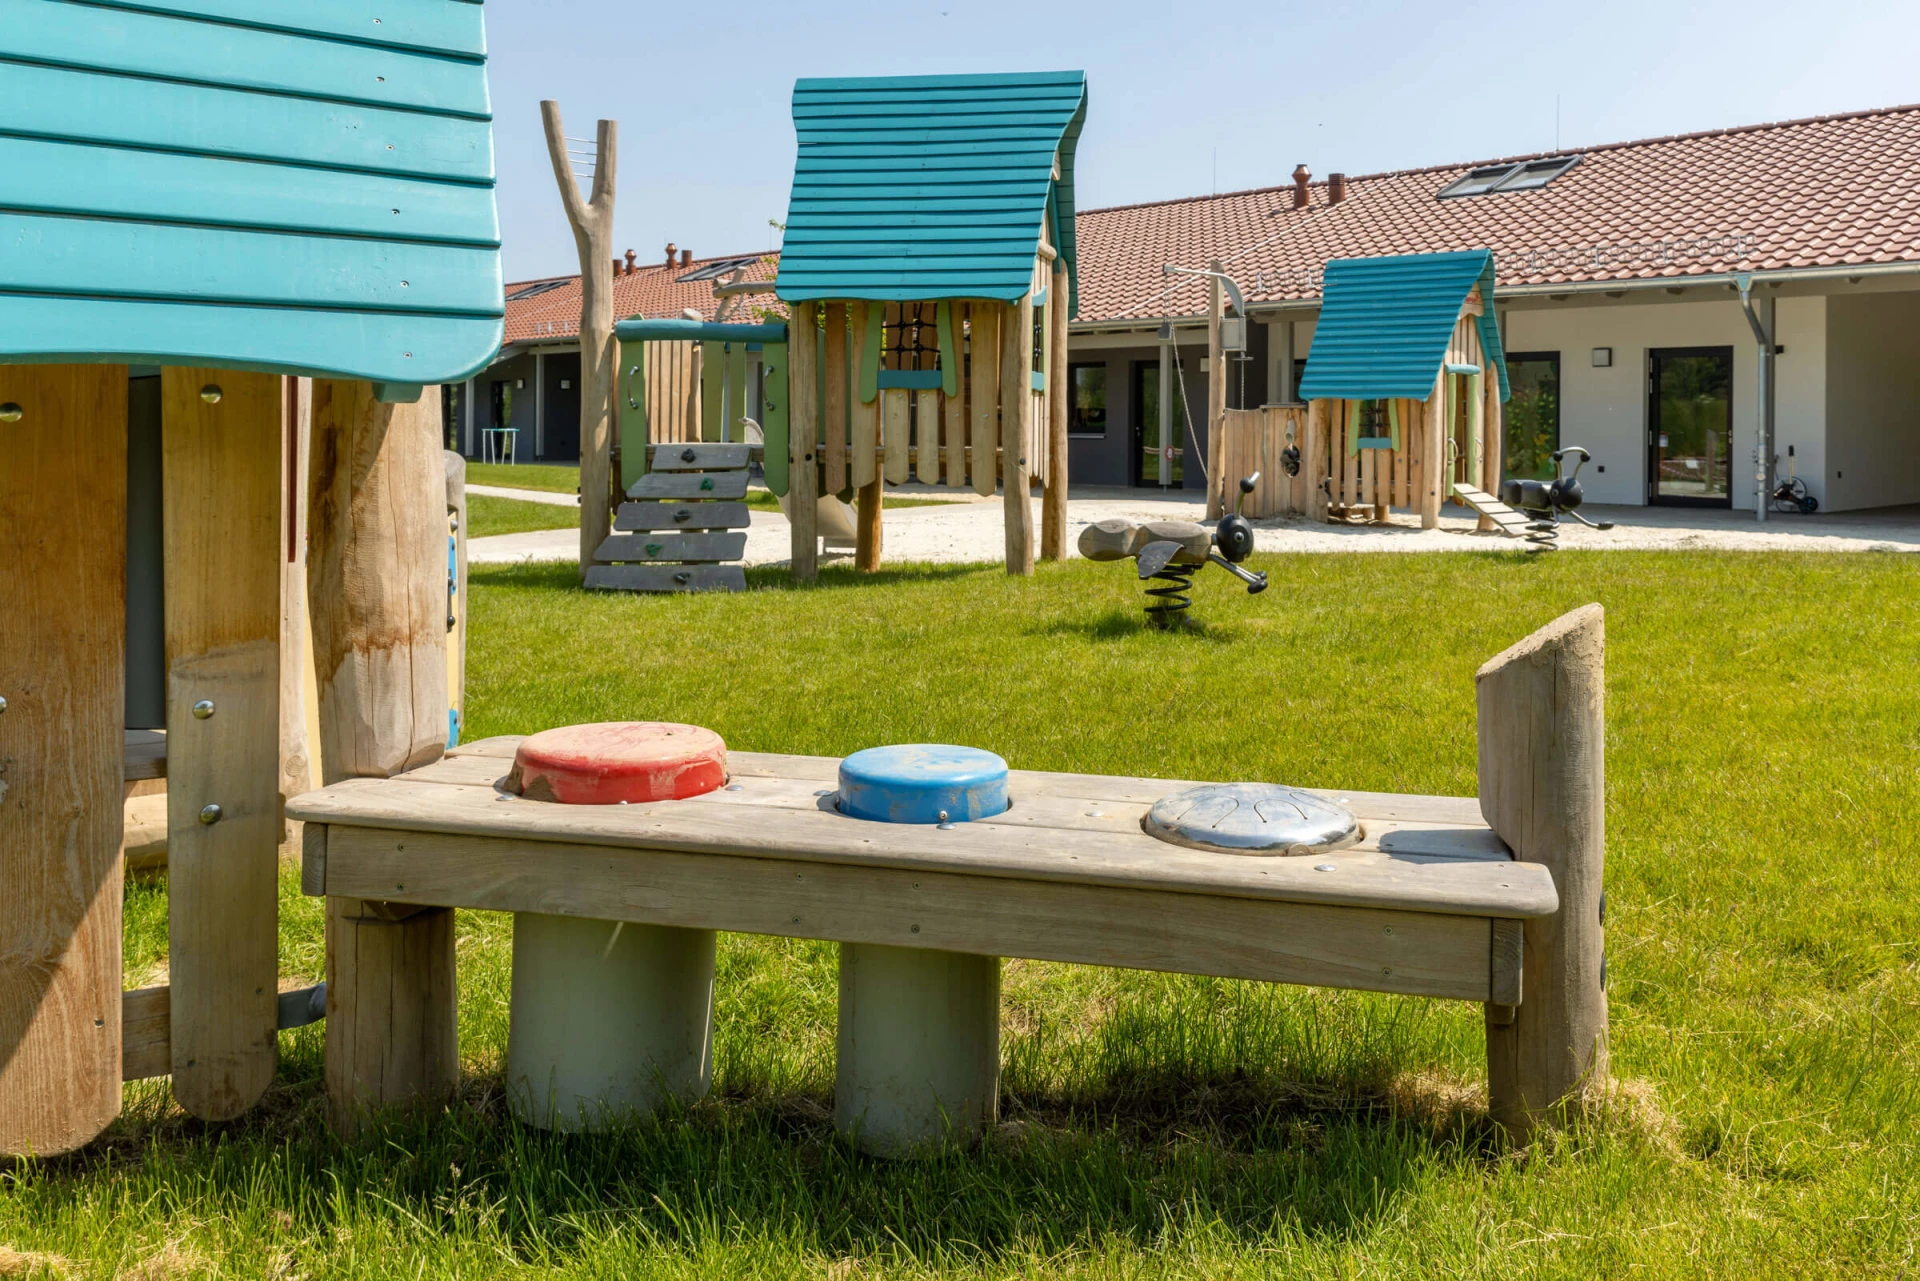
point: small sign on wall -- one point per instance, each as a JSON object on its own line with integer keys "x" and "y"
{"x": 1603, "y": 357}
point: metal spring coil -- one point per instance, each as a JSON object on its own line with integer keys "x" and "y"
{"x": 1171, "y": 600}
{"x": 1544, "y": 535}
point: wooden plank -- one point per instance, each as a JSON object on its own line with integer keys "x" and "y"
{"x": 894, "y": 421}
{"x": 661, "y": 546}
{"x": 958, "y": 427}
{"x": 1542, "y": 723}
{"x": 449, "y": 29}
{"x": 983, "y": 392}
{"x": 1128, "y": 858}
{"x": 146, "y": 1033}
{"x": 143, "y": 834}
{"x": 1314, "y": 462}
{"x": 313, "y": 859}
{"x": 1508, "y": 962}
{"x": 145, "y": 755}
{"x": 1434, "y": 427}
{"x": 63, "y": 513}
{"x": 869, "y": 532}
{"x": 1493, "y": 420}
{"x": 223, "y": 484}
{"x": 668, "y": 578}
{"x": 377, "y": 536}
{"x": 1016, "y": 428}
{"x": 927, "y": 416}
{"x": 833, "y": 399}
{"x": 705, "y": 456}
{"x": 1409, "y": 952}
{"x": 864, "y": 407}
{"x": 1053, "y": 502}
{"x": 678, "y": 516}
{"x": 803, "y": 513}
{"x": 719, "y": 484}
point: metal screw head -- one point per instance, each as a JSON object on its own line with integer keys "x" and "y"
{"x": 211, "y": 393}
{"x": 1323, "y": 867}
{"x": 210, "y": 814}
{"x": 942, "y": 816}
{"x": 11, "y": 412}
{"x": 733, "y": 787}
{"x": 203, "y": 709}
{"x": 3, "y": 704}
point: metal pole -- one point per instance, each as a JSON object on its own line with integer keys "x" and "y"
{"x": 1763, "y": 445}
{"x": 1165, "y": 465}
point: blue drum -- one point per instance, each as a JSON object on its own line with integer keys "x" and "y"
{"x": 923, "y": 783}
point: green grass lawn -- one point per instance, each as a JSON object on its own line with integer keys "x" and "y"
{"x": 487, "y": 515}
{"x": 1763, "y": 933}
{"x": 557, "y": 479}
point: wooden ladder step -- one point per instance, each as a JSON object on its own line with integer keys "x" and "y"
{"x": 675, "y": 546}
{"x": 670, "y": 485}
{"x": 668, "y": 578}
{"x": 722, "y": 456}
{"x": 681, "y": 516}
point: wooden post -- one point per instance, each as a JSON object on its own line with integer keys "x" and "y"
{"x": 376, "y": 569}
{"x": 296, "y": 750}
{"x": 985, "y": 319}
{"x": 1216, "y": 398}
{"x": 592, "y": 223}
{"x": 833, "y": 400}
{"x": 1016, "y": 421}
{"x": 1433, "y": 491}
{"x": 1314, "y": 464}
{"x": 958, "y": 426}
{"x": 63, "y": 513}
{"x": 1053, "y": 500}
{"x": 803, "y": 402}
{"x": 1491, "y": 424}
{"x": 221, "y": 436}
{"x": 456, "y": 474}
{"x": 1543, "y": 791}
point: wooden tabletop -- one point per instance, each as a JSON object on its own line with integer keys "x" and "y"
{"x": 1419, "y": 853}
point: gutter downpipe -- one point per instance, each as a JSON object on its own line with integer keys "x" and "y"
{"x": 1763, "y": 446}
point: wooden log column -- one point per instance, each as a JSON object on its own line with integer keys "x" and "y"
{"x": 984, "y": 322}
{"x": 222, "y": 433}
{"x": 1016, "y": 429}
{"x": 1314, "y": 464}
{"x": 1433, "y": 489}
{"x": 1053, "y": 501}
{"x": 63, "y": 510}
{"x": 1543, "y": 791}
{"x": 1490, "y": 451}
{"x": 377, "y": 591}
{"x": 803, "y": 400}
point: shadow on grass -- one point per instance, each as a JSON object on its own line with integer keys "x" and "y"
{"x": 1120, "y": 624}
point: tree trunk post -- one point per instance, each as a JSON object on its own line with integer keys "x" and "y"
{"x": 377, "y": 556}
{"x": 1016, "y": 430}
{"x": 1543, "y": 791}
{"x": 803, "y": 436}
{"x": 1053, "y": 500}
{"x": 1433, "y": 490}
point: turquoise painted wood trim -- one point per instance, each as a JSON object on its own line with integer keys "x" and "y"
{"x": 125, "y": 41}
{"x": 870, "y": 354}
{"x": 1385, "y": 324}
{"x": 639, "y": 329}
{"x": 1039, "y": 298}
{"x": 775, "y": 425}
{"x": 454, "y": 28}
{"x": 949, "y": 349}
{"x": 325, "y": 344}
{"x": 1373, "y": 442}
{"x": 911, "y": 379}
{"x": 152, "y": 186}
{"x": 44, "y": 254}
{"x": 1464, "y": 369}
{"x": 56, "y": 102}
{"x": 1490, "y": 343}
{"x": 630, "y": 405}
{"x": 396, "y": 393}
{"x": 1038, "y": 380}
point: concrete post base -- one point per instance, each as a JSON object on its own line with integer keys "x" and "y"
{"x": 604, "y": 1025}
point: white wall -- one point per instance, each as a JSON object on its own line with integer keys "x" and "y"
{"x": 1606, "y": 409}
{"x": 1872, "y": 401}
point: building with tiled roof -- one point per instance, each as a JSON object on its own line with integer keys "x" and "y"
{"x": 1615, "y": 288}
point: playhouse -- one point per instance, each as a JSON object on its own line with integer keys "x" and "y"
{"x": 1400, "y": 410}
{"x": 224, "y": 243}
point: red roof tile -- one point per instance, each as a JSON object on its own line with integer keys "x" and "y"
{"x": 650, "y": 291}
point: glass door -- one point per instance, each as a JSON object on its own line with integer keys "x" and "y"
{"x": 1690, "y": 427}
{"x": 1156, "y": 452}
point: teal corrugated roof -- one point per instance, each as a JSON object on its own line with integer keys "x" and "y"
{"x": 912, "y": 188}
{"x": 298, "y": 188}
{"x": 1385, "y": 323}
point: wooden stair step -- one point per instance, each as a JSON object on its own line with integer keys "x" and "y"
{"x": 668, "y": 578}
{"x": 657, "y": 484}
{"x": 676, "y": 546}
{"x": 681, "y": 516}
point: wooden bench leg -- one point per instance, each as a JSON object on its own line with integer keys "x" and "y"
{"x": 391, "y": 1033}
{"x": 1543, "y": 790}
{"x": 919, "y": 1047}
{"x": 607, "y": 1019}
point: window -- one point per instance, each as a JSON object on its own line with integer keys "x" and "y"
{"x": 1523, "y": 176}
{"x": 1532, "y": 416}
{"x": 1087, "y": 411}
{"x": 534, "y": 291}
{"x": 910, "y": 336}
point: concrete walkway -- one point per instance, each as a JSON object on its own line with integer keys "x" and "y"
{"x": 969, "y": 530}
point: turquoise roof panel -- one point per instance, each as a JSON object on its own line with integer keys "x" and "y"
{"x": 293, "y": 188}
{"x": 915, "y": 188}
{"x": 1385, "y": 324}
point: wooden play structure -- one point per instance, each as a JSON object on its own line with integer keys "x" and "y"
{"x": 1498, "y": 900}
{"x": 928, "y": 266}
{"x": 1400, "y": 411}
{"x": 234, "y": 256}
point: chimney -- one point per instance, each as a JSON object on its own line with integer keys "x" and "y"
{"x": 1301, "y": 177}
{"x": 631, "y": 256}
{"x": 671, "y": 251}
{"x": 686, "y": 258}
{"x": 1336, "y": 188}
{"x": 616, "y": 266}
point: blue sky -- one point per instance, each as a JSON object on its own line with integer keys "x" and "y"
{"x": 1183, "y": 98}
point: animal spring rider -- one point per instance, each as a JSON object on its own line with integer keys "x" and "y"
{"x": 1171, "y": 552}
{"x": 1545, "y": 501}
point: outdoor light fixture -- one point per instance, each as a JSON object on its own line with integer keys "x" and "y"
{"x": 1603, "y": 357}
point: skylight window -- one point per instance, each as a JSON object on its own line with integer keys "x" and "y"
{"x": 1525, "y": 176}
{"x": 534, "y": 291}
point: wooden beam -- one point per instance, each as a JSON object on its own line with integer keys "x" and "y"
{"x": 1314, "y": 462}
{"x": 1490, "y": 456}
{"x": 1016, "y": 432}
{"x": 803, "y": 483}
{"x": 1543, "y": 790}
{"x": 958, "y": 426}
{"x": 895, "y": 421}
{"x": 63, "y": 513}
{"x": 1433, "y": 490}
{"x": 222, "y": 432}
{"x": 1053, "y": 501}
{"x": 984, "y": 319}
{"x": 865, "y": 413}
{"x": 591, "y": 218}
{"x": 377, "y": 593}
{"x": 146, "y": 1043}
{"x": 833, "y": 399}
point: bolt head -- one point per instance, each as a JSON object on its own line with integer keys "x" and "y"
{"x": 211, "y": 393}
{"x": 210, "y": 814}
{"x": 203, "y": 709}
{"x": 3, "y": 704}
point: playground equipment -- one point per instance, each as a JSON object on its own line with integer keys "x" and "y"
{"x": 1497, "y": 900}
{"x": 1171, "y": 552}
{"x": 1545, "y": 501}
{"x": 219, "y": 241}
{"x": 928, "y": 264}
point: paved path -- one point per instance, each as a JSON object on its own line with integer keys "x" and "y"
{"x": 965, "y": 531}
